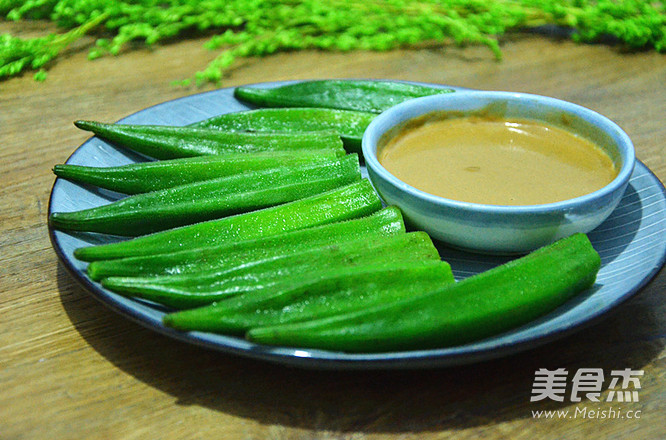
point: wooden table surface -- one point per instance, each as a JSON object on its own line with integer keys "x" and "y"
{"x": 72, "y": 369}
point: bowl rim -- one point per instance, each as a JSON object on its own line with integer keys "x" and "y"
{"x": 428, "y": 104}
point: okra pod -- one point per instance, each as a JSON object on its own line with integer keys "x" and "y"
{"x": 325, "y": 292}
{"x": 383, "y": 223}
{"x": 137, "y": 178}
{"x": 360, "y": 95}
{"x": 168, "y": 142}
{"x": 210, "y": 199}
{"x": 351, "y": 201}
{"x": 349, "y": 124}
{"x": 201, "y": 288}
{"x": 480, "y": 306}
{"x": 144, "y": 177}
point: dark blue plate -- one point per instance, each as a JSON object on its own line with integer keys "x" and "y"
{"x": 632, "y": 245}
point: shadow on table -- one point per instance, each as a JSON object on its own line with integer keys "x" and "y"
{"x": 362, "y": 401}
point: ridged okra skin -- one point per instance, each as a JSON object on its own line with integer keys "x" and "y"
{"x": 326, "y": 292}
{"x": 383, "y": 223}
{"x": 359, "y": 95}
{"x": 351, "y": 201}
{"x": 483, "y": 305}
{"x": 210, "y": 199}
{"x": 144, "y": 177}
{"x": 170, "y": 142}
{"x": 349, "y": 124}
{"x": 191, "y": 290}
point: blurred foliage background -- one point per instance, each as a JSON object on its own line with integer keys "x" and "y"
{"x": 247, "y": 28}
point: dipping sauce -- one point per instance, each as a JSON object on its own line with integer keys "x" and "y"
{"x": 497, "y": 161}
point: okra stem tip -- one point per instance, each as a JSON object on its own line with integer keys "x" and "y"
{"x": 83, "y": 253}
{"x": 121, "y": 285}
{"x": 53, "y": 220}
{"x": 94, "y": 271}
{"x": 169, "y": 321}
{"x": 86, "y": 125}
{"x": 64, "y": 170}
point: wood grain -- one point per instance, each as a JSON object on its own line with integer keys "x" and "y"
{"x": 71, "y": 369}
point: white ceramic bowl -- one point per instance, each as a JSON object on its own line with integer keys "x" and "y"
{"x": 494, "y": 228}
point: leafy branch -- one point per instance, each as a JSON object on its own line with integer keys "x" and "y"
{"x": 245, "y": 28}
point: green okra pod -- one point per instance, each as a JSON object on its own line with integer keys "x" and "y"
{"x": 351, "y": 201}
{"x": 360, "y": 95}
{"x": 324, "y": 292}
{"x": 386, "y": 222}
{"x": 191, "y": 290}
{"x": 137, "y": 178}
{"x": 210, "y": 199}
{"x": 349, "y": 124}
{"x": 169, "y": 142}
{"x": 480, "y": 306}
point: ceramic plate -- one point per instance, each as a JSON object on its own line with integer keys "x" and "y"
{"x": 632, "y": 245}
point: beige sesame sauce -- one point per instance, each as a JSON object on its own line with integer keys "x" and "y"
{"x": 496, "y": 161}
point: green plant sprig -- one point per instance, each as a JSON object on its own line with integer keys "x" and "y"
{"x": 17, "y": 54}
{"x": 255, "y": 28}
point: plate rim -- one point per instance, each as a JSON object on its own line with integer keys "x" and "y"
{"x": 324, "y": 359}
